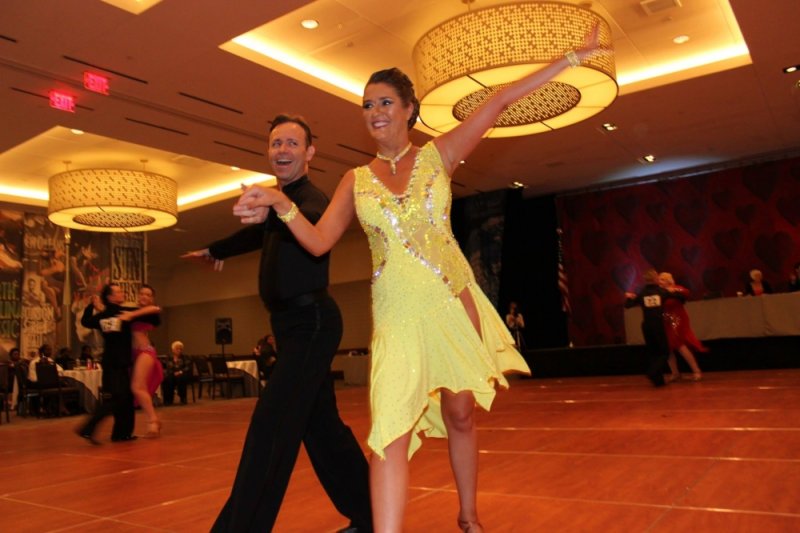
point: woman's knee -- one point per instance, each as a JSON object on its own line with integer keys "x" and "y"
{"x": 459, "y": 413}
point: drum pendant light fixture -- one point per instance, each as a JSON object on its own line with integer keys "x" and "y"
{"x": 112, "y": 200}
{"x": 463, "y": 61}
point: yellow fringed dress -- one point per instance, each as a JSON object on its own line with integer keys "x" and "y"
{"x": 423, "y": 340}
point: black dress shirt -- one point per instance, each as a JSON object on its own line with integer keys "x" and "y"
{"x": 286, "y": 269}
{"x": 651, "y": 299}
{"x": 117, "y": 345}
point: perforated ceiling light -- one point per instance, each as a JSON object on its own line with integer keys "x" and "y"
{"x": 463, "y": 61}
{"x": 112, "y": 200}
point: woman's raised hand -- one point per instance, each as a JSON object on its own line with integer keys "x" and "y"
{"x": 591, "y": 44}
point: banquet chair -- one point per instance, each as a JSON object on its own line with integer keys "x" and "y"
{"x": 5, "y": 391}
{"x": 25, "y": 392}
{"x": 202, "y": 375}
{"x": 222, "y": 375}
{"x": 50, "y": 385}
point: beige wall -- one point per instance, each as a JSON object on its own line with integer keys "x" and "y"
{"x": 193, "y": 296}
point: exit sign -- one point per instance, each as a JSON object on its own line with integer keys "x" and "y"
{"x": 95, "y": 82}
{"x": 62, "y": 101}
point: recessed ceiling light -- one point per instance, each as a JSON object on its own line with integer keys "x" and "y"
{"x": 235, "y": 168}
{"x": 789, "y": 70}
{"x": 680, "y": 39}
{"x": 609, "y": 126}
{"x": 649, "y": 158}
{"x": 310, "y": 24}
{"x": 77, "y": 131}
{"x": 516, "y": 185}
{"x": 461, "y": 162}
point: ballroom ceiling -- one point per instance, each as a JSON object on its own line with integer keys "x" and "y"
{"x": 181, "y": 105}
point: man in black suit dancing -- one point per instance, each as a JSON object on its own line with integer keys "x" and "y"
{"x": 298, "y": 405}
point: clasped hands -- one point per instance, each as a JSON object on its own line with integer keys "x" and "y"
{"x": 254, "y": 204}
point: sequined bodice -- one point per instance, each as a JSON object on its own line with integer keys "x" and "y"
{"x": 413, "y": 228}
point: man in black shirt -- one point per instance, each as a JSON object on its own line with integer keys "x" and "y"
{"x": 117, "y": 361}
{"x": 299, "y": 404}
{"x": 651, "y": 299}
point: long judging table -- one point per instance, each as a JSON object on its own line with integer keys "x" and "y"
{"x": 770, "y": 315}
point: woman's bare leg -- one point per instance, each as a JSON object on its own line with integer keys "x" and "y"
{"x": 673, "y": 366}
{"x": 141, "y": 369}
{"x": 389, "y": 486}
{"x": 689, "y": 357}
{"x": 458, "y": 410}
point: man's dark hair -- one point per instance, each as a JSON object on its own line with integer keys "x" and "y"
{"x": 105, "y": 292}
{"x": 147, "y": 286}
{"x": 297, "y": 119}
{"x": 404, "y": 87}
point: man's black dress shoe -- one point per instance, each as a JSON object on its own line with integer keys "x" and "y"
{"x": 88, "y": 436}
{"x": 123, "y": 439}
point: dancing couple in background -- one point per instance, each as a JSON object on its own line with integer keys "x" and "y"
{"x": 106, "y": 314}
{"x": 680, "y": 336}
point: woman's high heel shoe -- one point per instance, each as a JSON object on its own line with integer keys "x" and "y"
{"x": 470, "y": 526}
{"x": 153, "y": 430}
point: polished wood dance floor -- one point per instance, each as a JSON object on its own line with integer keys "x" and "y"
{"x": 576, "y": 454}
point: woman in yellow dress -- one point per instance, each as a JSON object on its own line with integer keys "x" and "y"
{"x": 438, "y": 345}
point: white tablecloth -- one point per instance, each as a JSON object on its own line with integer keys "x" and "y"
{"x": 89, "y": 382}
{"x": 251, "y": 378}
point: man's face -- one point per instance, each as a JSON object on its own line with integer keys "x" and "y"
{"x": 116, "y": 296}
{"x": 288, "y": 152}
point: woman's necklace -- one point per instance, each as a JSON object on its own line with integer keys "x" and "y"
{"x": 393, "y": 160}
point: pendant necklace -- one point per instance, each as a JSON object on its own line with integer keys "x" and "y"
{"x": 393, "y": 160}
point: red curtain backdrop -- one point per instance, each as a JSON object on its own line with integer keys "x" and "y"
{"x": 709, "y": 231}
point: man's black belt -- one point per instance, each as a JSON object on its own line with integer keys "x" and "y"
{"x": 300, "y": 300}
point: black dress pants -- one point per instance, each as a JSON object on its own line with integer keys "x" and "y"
{"x": 657, "y": 349}
{"x": 117, "y": 401}
{"x": 168, "y": 386}
{"x": 298, "y": 405}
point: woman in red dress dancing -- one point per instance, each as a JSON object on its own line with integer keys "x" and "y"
{"x": 147, "y": 370}
{"x": 679, "y": 331}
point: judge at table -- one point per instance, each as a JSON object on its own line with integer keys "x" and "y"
{"x": 757, "y": 286}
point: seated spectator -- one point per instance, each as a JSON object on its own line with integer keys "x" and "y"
{"x": 86, "y": 355}
{"x": 64, "y": 359}
{"x": 177, "y": 373}
{"x": 44, "y": 355}
{"x": 794, "y": 279}
{"x": 13, "y": 357}
{"x": 757, "y": 286}
{"x": 266, "y": 353}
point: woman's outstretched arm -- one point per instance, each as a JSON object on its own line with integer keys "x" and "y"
{"x": 455, "y": 145}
